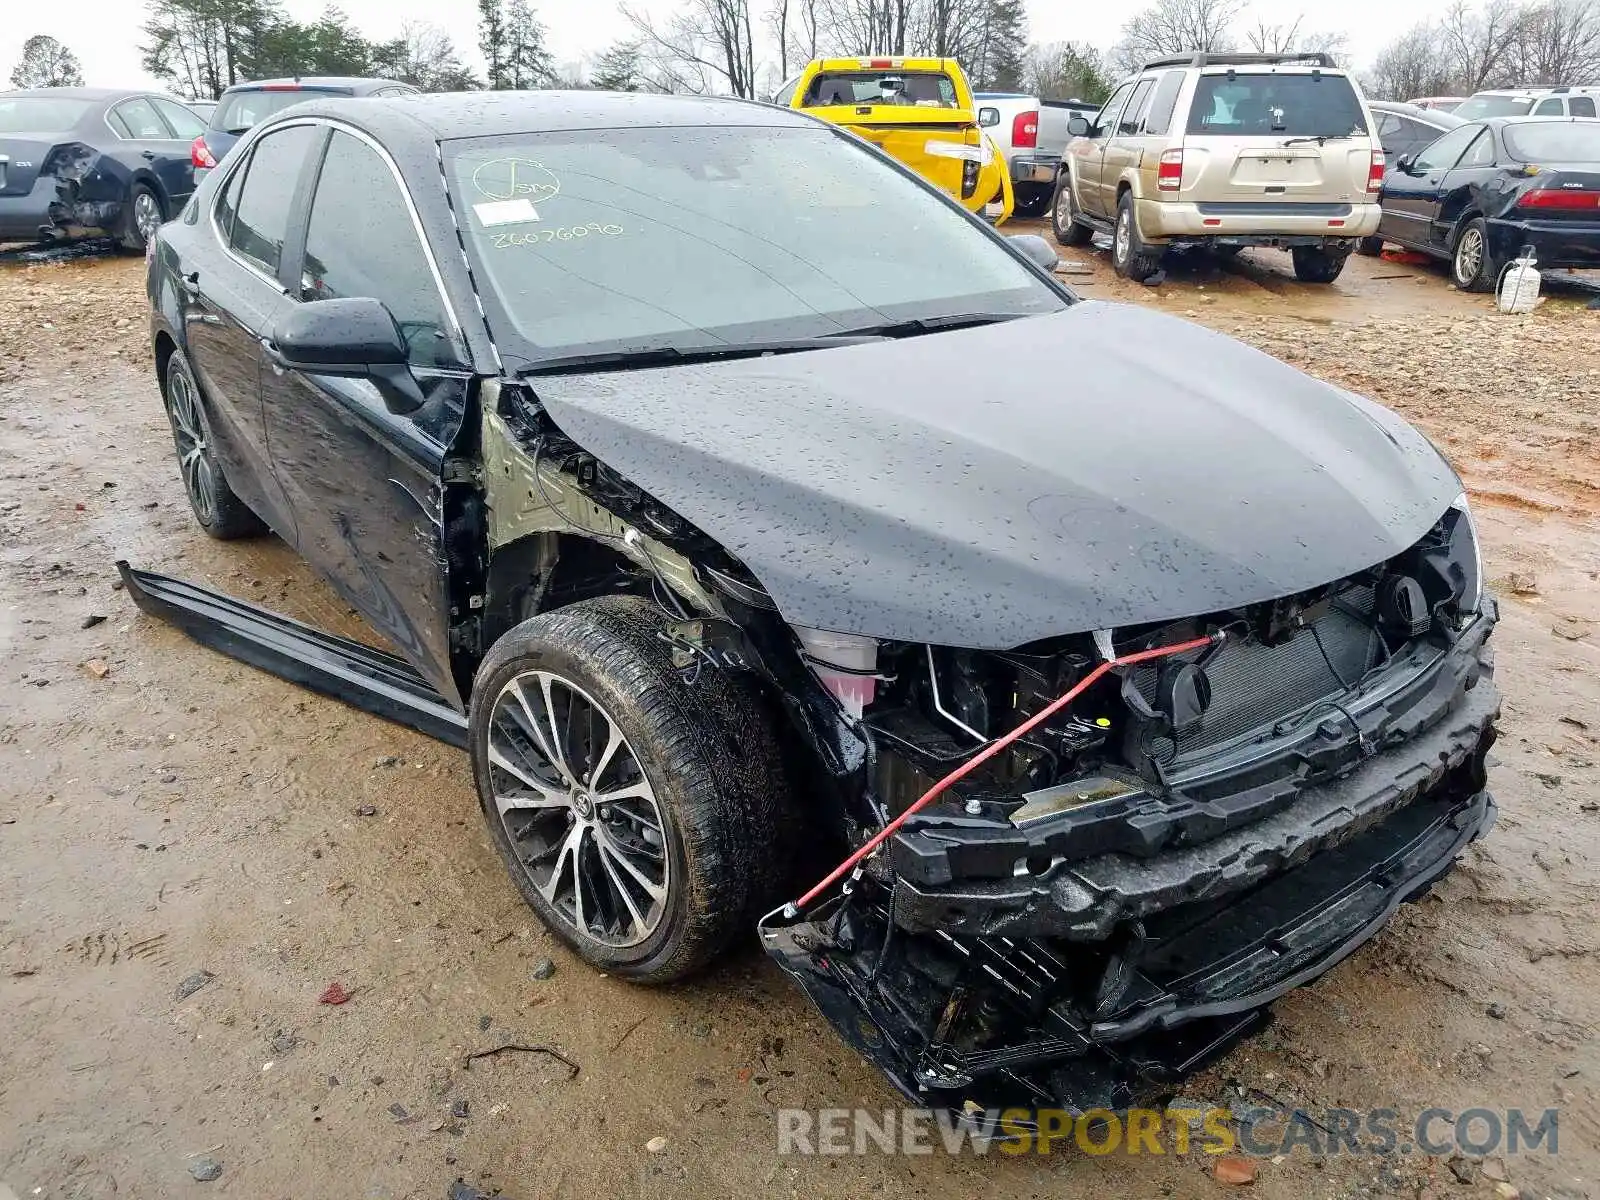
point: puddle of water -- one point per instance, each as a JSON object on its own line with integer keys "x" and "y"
{"x": 57, "y": 252}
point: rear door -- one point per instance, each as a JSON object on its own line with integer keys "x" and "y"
{"x": 1460, "y": 185}
{"x": 232, "y": 298}
{"x": 1124, "y": 148}
{"x": 1411, "y": 196}
{"x": 146, "y": 138}
{"x": 365, "y": 483}
{"x": 1259, "y": 136}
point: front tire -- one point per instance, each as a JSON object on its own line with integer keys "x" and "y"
{"x": 216, "y": 509}
{"x": 1312, "y": 264}
{"x": 1472, "y": 267}
{"x": 143, "y": 216}
{"x": 639, "y": 814}
{"x": 1129, "y": 255}
{"x": 1064, "y": 221}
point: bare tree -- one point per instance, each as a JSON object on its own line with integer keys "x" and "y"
{"x": 425, "y": 56}
{"x": 1558, "y": 42}
{"x": 1481, "y": 42}
{"x": 706, "y": 46}
{"x": 1175, "y": 27}
{"x": 1066, "y": 71}
{"x": 1414, "y": 64}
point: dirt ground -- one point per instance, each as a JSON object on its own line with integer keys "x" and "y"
{"x": 184, "y": 813}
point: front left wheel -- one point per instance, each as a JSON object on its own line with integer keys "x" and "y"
{"x": 638, "y": 812}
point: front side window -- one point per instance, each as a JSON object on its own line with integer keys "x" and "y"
{"x": 361, "y": 241}
{"x": 785, "y": 94}
{"x": 266, "y": 198}
{"x": 1273, "y": 105}
{"x": 1548, "y": 108}
{"x": 696, "y": 237}
{"x": 1443, "y": 153}
{"x": 182, "y": 120}
{"x": 140, "y": 121}
{"x": 1112, "y": 109}
{"x": 914, "y": 89}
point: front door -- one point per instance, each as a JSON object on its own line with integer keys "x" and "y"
{"x": 148, "y": 142}
{"x": 232, "y": 298}
{"x": 1411, "y": 195}
{"x": 1089, "y": 152}
{"x": 364, "y": 482}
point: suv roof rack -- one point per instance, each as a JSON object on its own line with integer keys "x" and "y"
{"x": 1207, "y": 58}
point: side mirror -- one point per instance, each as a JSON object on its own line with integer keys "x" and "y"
{"x": 1404, "y": 163}
{"x": 988, "y": 117}
{"x": 1036, "y": 249}
{"x": 1078, "y": 125}
{"x": 354, "y": 338}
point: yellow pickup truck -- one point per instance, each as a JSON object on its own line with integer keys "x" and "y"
{"x": 919, "y": 111}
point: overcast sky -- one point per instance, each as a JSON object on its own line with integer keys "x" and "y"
{"x": 105, "y": 35}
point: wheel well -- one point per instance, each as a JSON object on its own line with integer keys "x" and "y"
{"x": 1123, "y": 188}
{"x": 165, "y": 347}
{"x": 1462, "y": 221}
{"x": 544, "y": 571}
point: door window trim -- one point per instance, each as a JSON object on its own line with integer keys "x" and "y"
{"x": 226, "y": 240}
{"x": 1100, "y": 131}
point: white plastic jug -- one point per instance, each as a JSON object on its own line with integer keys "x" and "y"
{"x": 1519, "y": 284}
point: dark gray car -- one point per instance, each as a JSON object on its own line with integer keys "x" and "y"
{"x": 92, "y": 160}
{"x": 668, "y": 439}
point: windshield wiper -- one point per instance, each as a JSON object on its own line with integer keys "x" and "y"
{"x": 921, "y": 325}
{"x": 1319, "y": 138}
{"x": 674, "y": 356}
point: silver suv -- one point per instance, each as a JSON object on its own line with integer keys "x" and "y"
{"x": 1225, "y": 151}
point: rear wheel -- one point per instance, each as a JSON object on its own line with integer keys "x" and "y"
{"x": 1129, "y": 255}
{"x": 639, "y": 815}
{"x": 142, "y": 217}
{"x": 1313, "y": 264}
{"x": 1471, "y": 265}
{"x": 1064, "y": 222}
{"x": 1370, "y": 247}
{"x": 216, "y": 509}
{"x": 1032, "y": 200}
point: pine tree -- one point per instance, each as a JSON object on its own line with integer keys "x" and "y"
{"x": 617, "y": 70}
{"x": 491, "y": 41}
{"x": 1008, "y": 46}
{"x": 527, "y": 60}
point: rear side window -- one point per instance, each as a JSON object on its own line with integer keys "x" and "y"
{"x": 1128, "y": 125}
{"x": 1162, "y": 102}
{"x": 1271, "y": 105}
{"x": 1549, "y": 108}
{"x": 261, "y": 223}
{"x": 1480, "y": 153}
{"x": 1581, "y": 106}
{"x": 182, "y": 120}
{"x": 140, "y": 121}
{"x": 362, "y": 242}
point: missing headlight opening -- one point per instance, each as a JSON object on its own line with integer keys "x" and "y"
{"x": 1075, "y": 870}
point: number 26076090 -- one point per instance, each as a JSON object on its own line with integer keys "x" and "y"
{"x": 561, "y": 233}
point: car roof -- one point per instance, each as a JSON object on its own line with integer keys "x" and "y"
{"x": 1429, "y": 116}
{"x": 443, "y": 116}
{"x": 356, "y": 83}
{"x": 86, "y": 93}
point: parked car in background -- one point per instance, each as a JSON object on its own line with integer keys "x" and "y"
{"x": 1531, "y": 102}
{"x": 1032, "y": 135}
{"x": 203, "y": 108}
{"x": 920, "y": 112}
{"x": 78, "y": 161}
{"x": 723, "y": 549}
{"x": 1225, "y": 151}
{"x": 1405, "y": 128}
{"x": 1438, "y": 103}
{"x": 1483, "y": 191}
{"x": 245, "y": 105}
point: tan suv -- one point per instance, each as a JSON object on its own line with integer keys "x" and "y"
{"x": 1225, "y": 151}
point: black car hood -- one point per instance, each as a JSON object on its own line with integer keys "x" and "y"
{"x": 1097, "y": 467}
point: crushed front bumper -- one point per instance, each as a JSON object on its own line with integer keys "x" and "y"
{"x": 1101, "y": 981}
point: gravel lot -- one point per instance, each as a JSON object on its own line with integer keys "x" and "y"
{"x": 166, "y": 812}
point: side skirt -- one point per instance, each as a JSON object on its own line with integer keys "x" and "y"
{"x": 368, "y": 679}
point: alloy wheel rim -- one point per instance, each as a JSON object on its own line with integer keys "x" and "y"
{"x": 146, "y": 215}
{"x": 578, "y": 810}
{"x": 1469, "y": 256}
{"x": 194, "y": 450}
{"x": 1123, "y": 235}
{"x": 1064, "y": 206}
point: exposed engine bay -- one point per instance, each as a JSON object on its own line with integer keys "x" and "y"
{"x": 1108, "y": 901}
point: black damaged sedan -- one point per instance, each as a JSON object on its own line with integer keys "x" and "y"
{"x": 1045, "y": 738}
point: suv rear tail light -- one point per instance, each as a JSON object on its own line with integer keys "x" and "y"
{"x": 200, "y": 153}
{"x": 1375, "y": 172}
{"x": 1169, "y": 175}
{"x": 1025, "y": 130}
{"x": 1566, "y": 199}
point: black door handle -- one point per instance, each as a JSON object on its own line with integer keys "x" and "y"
{"x": 148, "y": 155}
{"x": 191, "y": 283}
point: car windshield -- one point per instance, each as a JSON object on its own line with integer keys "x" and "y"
{"x": 639, "y": 239}
{"x": 1271, "y": 105}
{"x": 243, "y": 111}
{"x": 40, "y": 114}
{"x": 912, "y": 89}
{"x": 1554, "y": 141}
{"x": 1495, "y": 106}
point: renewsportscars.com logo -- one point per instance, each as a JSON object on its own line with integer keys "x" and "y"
{"x": 1258, "y": 1132}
